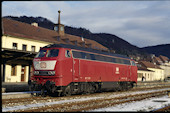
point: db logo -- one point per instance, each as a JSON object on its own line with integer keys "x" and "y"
{"x": 43, "y": 65}
{"x": 117, "y": 70}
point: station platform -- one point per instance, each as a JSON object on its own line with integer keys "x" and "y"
{"x": 14, "y": 86}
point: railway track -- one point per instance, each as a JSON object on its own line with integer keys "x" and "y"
{"x": 163, "y": 109}
{"x": 32, "y": 98}
{"x": 79, "y": 102}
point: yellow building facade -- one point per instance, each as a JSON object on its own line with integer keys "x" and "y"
{"x": 158, "y": 74}
{"x": 147, "y": 74}
{"x": 19, "y": 72}
{"x": 166, "y": 69}
{"x": 150, "y": 71}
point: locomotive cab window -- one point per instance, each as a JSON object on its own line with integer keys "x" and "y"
{"x": 41, "y": 53}
{"x": 83, "y": 55}
{"x": 52, "y": 53}
{"x": 67, "y": 54}
{"x": 108, "y": 59}
{"x": 127, "y": 62}
{"x": 88, "y": 56}
{"x": 117, "y": 60}
{"x": 133, "y": 63}
{"x": 77, "y": 54}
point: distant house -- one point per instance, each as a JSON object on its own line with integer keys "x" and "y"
{"x": 157, "y": 60}
{"x": 164, "y": 59}
{"x": 164, "y": 63}
{"x": 145, "y": 74}
{"x": 158, "y": 73}
{"x": 21, "y": 42}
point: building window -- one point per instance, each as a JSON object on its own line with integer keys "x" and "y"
{"x": 82, "y": 44}
{"x": 89, "y": 45}
{"x": 14, "y": 46}
{"x": 74, "y": 42}
{"x": 33, "y": 48}
{"x": 24, "y": 47}
{"x": 140, "y": 75}
{"x": 67, "y": 40}
{"x": 13, "y": 70}
{"x": 58, "y": 38}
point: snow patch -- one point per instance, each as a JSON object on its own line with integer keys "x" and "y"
{"x": 143, "y": 105}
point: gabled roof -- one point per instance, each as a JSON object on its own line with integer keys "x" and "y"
{"x": 144, "y": 69}
{"x": 27, "y": 31}
{"x": 149, "y": 65}
{"x": 157, "y": 60}
{"x": 164, "y": 58}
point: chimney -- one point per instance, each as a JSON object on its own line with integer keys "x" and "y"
{"x": 59, "y": 16}
{"x": 34, "y": 24}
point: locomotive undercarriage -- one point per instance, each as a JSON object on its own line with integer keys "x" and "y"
{"x": 79, "y": 87}
{"x": 93, "y": 87}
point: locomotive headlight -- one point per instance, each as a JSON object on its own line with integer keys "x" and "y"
{"x": 36, "y": 72}
{"x": 51, "y": 72}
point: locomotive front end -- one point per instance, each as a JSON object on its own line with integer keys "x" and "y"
{"x": 44, "y": 71}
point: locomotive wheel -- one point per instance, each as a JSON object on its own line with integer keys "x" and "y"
{"x": 43, "y": 94}
{"x": 92, "y": 88}
{"x": 32, "y": 88}
{"x": 67, "y": 91}
{"x": 88, "y": 88}
{"x": 123, "y": 86}
{"x": 130, "y": 85}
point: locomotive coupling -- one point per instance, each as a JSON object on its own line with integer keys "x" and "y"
{"x": 48, "y": 84}
{"x": 30, "y": 82}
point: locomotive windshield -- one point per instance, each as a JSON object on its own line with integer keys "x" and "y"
{"x": 41, "y": 53}
{"x": 50, "y": 53}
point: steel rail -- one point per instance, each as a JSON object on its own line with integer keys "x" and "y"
{"x": 93, "y": 104}
{"x": 39, "y": 98}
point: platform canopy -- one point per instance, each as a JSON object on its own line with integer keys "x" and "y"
{"x": 13, "y": 56}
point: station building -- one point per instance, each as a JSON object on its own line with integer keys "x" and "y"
{"x": 22, "y": 41}
{"x": 145, "y": 74}
{"x": 150, "y": 71}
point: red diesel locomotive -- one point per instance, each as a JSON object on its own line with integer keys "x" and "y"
{"x": 64, "y": 70}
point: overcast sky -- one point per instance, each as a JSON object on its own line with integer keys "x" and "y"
{"x": 141, "y": 23}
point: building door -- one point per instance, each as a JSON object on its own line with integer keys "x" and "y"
{"x": 23, "y": 73}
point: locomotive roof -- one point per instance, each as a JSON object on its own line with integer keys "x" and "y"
{"x": 84, "y": 49}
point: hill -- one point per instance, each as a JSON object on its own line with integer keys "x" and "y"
{"x": 110, "y": 41}
{"x": 163, "y": 49}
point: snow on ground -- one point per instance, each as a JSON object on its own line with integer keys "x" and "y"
{"x": 137, "y": 92}
{"x": 43, "y": 104}
{"x": 143, "y": 105}
{"x": 118, "y": 108}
